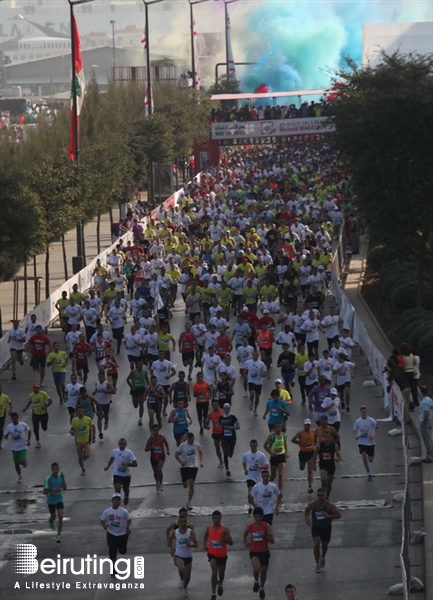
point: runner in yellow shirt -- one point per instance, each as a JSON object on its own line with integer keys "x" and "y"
{"x": 58, "y": 359}
{"x": 39, "y": 401}
{"x": 5, "y": 402}
{"x": 83, "y": 429}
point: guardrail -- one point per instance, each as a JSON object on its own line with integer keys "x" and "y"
{"x": 393, "y": 399}
{"x": 46, "y": 312}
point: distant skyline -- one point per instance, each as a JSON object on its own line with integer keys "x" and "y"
{"x": 294, "y": 42}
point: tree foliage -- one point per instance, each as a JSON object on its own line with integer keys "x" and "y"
{"x": 43, "y": 192}
{"x": 384, "y": 119}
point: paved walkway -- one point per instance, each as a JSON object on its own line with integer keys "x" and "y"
{"x": 421, "y": 476}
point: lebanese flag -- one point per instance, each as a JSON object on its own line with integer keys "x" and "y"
{"x": 196, "y": 75}
{"x": 77, "y": 89}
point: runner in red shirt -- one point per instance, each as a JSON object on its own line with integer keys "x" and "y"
{"x": 252, "y": 319}
{"x": 187, "y": 345}
{"x": 37, "y": 347}
{"x": 100, "y": 348}
{"x": 217, "y": 429}
{"x": 224, "y": 345}
{"x": 158, "y": 447}
{"x": 81, "y": 352}
{"x": 260, "y": 535}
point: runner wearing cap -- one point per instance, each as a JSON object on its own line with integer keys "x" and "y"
{"x": 39, "y": 401}
{"x": 330, "y": 408}
{"x": 306, "y": 440}
{"x": 116, "y": 521}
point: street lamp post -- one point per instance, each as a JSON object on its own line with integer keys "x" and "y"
{"x": 226, "y": 15}
{"x": 147, "y": 3}
{"x": 112, "y": 23}
{"x": 79, "y": 262}
{"x": 191, "y": 16}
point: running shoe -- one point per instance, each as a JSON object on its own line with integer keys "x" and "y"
{"x": 61, "y": 401}
{"x": 317, "y": 569}
{"x": 220, "y": 589}
{"x": 220, "y": 465}
{"x": 255, "y": 413}
{"x": 126, "y": 500}
{"x": 347, "y": 408}
{"x": 250, "y": 511}
{"x": 245, "y": 394}
{"x": 51, "y": 523}
{"x": 105, "y": 426}
{"x": 180, "y": 584}
{"x": 256, "y": 586}
{"x": 140, "y": 422}
{"x": 20, "y": 479}
{"x": 369, "y": 477}
{"x": 14, "y": 377}
{"x": 310, "y": 490}
{"x": 228, "y": 473}
{"x": 188, "y": 505}
{"x": 201, "y": 430}
{"x": 59, "y": 539}
{"x": 38, "y": 445}
{"x": 157, "y": 487}
{"x": 213, "y": 597}
{"x": 262, "y": 594}
{"x": 343, "y": 405}
{"x": 185, "y": 592}
{"x": 322, "y": 562}
{"x": 83, "y": 472}
{"x": 101, "y": 436}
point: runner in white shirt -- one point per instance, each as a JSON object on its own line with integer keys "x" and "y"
{"x": 347, "y": 343}
{"x": 163, "y": 370}
{"x": 134, "y": 346}
{"x": 20, "y": 434}
{"x": 116, "y": 521}
{"x": 211, "y": 362}
{"x": 326, "y": 364}
{"x": 210, "y": 338}
{"x": 256, "y": 370}
{"x": 123, "y": 459}
{"x": 73, "y": 313}
{"x": 16, "y": 340}
{"x": 344, "y": 371}
{"x": 332, "y": 405}
{"x": 263, "y": 495}
{"x": 253, "y": 463}
{"x": 150, "y": 340}
{"x": 189, "y": 454}
{"x": 365, "y": 430}
{"x": 244, "y": 353}
{"x": 136, "y": 305}
{"x": 72, "y": 394}
{"x": 31, "y": 327}
{"x": 102, "y": 393}
{"x": 330, "y": 325}
{"x": 312, "y": 327}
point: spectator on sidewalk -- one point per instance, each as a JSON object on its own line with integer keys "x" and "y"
{"x": 426, "y": 423}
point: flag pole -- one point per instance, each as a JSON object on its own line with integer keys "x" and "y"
{"x": 74, "y": 124}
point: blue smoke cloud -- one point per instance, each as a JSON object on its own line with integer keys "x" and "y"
{"x": 298, "y": 43}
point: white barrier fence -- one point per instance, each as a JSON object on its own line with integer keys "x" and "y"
{"x": 393, "y": 399}
{"x": 46, "y": 312}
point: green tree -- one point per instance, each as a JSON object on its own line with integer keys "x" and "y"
{"x": 384, "y": 119}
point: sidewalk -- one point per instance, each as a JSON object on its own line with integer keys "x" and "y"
{"x": 421, "y": 476}
{"x": 57, "y": 274}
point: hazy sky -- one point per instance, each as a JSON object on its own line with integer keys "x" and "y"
{"x": 293, "y": 42}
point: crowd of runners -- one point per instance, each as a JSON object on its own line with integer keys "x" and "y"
{"x": 247, "y": 256}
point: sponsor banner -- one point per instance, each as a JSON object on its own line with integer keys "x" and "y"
{"x": 278, "y": 128}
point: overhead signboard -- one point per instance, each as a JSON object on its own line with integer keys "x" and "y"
{"x": 276, "y": 128}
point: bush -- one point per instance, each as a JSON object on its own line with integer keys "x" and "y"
{"x": 416, "y": 333}
{"x": 425, "y": 344}
{"x": 379, "y": 256}
{"x": 395, "y": 274}
{"x": 403, "y": 296}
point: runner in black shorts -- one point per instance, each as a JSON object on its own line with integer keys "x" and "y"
{"x": 329, "y": 454}
{"x": 260, "y": 536}
{"x": 322, "y": 515}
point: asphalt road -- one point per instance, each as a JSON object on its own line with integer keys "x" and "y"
{"x": 363, "y": 560}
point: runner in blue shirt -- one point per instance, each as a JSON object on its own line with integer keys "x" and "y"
{"x": 54, "y": 485}
{"x": 277, "y": 409}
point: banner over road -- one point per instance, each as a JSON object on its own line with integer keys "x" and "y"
{"x": 277, "y": 128}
